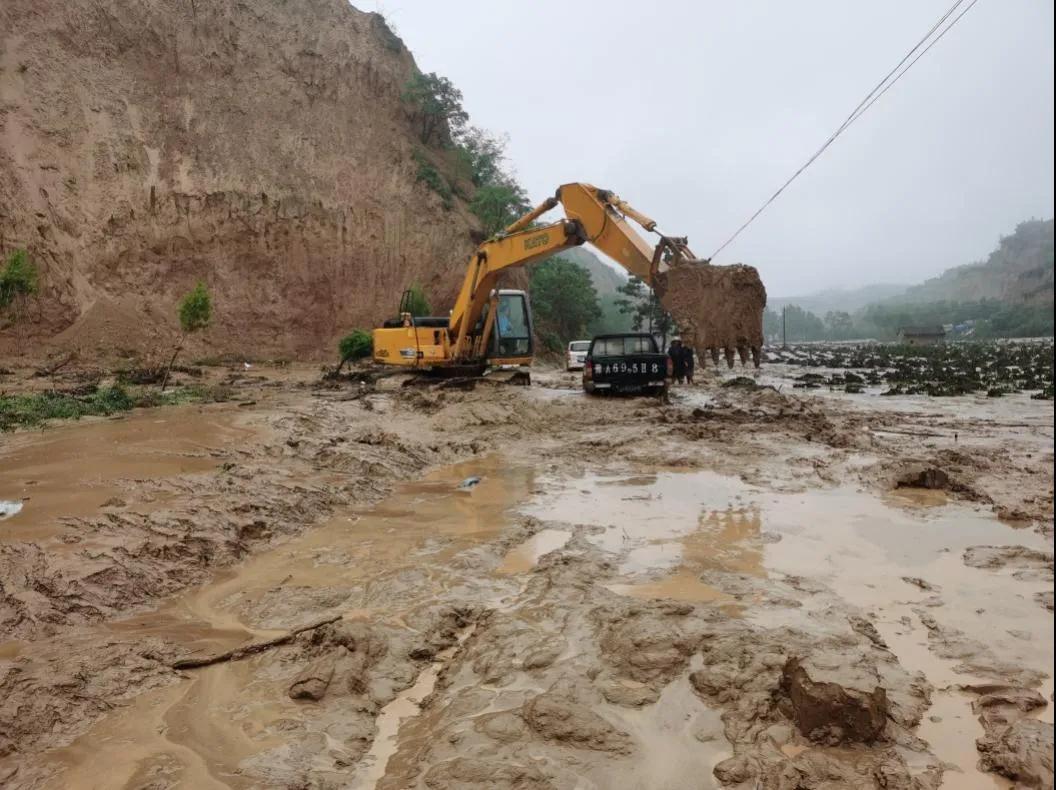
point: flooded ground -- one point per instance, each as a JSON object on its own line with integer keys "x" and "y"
{"x": 733, "y": 590}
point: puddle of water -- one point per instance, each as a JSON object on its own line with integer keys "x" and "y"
{"x": 644, "y": 518}
{"x": 918, "y": 497}
{"x": 522, "y": 558}
{"x": 407, "y": 705}
{"x": 664, "y": 530}
{"x": 679, "y": 740}
{"x": 673, "y": 527}
{"x": 72, "y": 470}
{"x": 203, "y": 729}
{"x": 950, "y": 728}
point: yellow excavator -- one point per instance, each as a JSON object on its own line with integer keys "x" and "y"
{"x": 491, "y": 327}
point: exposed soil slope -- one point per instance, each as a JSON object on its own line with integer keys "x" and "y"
{"x": 262, "y": 147}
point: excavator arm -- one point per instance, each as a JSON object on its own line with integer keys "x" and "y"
{"x": 601, "y": 218}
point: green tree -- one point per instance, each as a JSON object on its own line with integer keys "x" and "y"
{"x": 645, "y": 309}
{"x": 417, "y": 304}
{"x": 356, "y": 345}
{"x": 839, "y": 325}
{"x": 195, "y": 313}
{"x": 18, "y": 282}
{"x": 772, "y": 325}
{"x": 481, "y": 155}
{"x": 17, "y": 279}
{"x": 436, "y": 106}
{"x": 563, "y": 298}
{"x": 803, "y": 325}
{"x": 499, "y": 204}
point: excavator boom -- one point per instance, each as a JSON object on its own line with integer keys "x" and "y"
{"x": 716, "y": 308}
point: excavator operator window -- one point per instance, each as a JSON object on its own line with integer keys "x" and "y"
{"x": 513, "y": 326}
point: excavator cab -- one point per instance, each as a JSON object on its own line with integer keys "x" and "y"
{"x": 511, "y": 337}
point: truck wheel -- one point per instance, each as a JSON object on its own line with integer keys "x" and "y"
{"x": 588, "y": 388}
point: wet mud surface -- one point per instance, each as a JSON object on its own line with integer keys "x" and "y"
{"x": 736, "y": 589}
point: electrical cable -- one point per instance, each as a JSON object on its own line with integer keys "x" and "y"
{"x": 870, "y": 98}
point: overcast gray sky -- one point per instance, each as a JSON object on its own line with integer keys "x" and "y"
{"x": 695, "y": 112}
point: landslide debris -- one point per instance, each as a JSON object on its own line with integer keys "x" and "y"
{"x": 718, "y": 309}
{"x": 263, "y": 147}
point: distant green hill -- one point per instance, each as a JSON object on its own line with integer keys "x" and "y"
{"x": 606, "y": 279}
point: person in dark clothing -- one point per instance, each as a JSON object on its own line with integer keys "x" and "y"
{"x": 687, "y": 363}
{"x": 677, "y": 360}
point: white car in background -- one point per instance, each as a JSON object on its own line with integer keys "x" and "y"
{"x": 576, "y": 354}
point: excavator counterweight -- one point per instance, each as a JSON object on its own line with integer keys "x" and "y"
{"x": 718, "y": 309}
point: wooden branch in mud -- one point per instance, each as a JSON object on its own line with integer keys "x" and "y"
{"x": 911, "y": 433}
{"x": 250, "y": 649}
{"x": 56, "y": 367}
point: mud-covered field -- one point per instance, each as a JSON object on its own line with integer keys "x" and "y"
{"x": 343, "y": 584}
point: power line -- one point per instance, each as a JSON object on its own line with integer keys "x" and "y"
{"x": 918, "y": 57}
{"x": 870, "y": 98}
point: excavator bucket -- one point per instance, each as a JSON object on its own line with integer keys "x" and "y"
{"x": 718, "y": 309}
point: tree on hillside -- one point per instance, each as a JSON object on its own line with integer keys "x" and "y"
{"x": 498, "y": 204}
{"x": 417, "y": 303}
{"x": 481, "y": 155}
{"x": 18, "y": 282}
{"x": 563, "y": 299}
{"x": 646, "y": 311}
{"x": 195, "y": 313}
{"x": 436, "y": 106}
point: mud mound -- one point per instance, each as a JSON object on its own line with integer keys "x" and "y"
{"x": 1027, "y": 564}
{"x": 136, "y": 162}
{"x": 558, "y": 715}
{"x": 826, "y": 712}
{"x": 716, "y": 308}
{"x": 1022, "y": 752}
{"x": 464, "y": 773}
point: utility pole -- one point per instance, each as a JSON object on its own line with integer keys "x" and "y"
{"x": 784, "y": 326}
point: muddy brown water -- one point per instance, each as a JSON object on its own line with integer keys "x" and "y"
{"x": 672, "y": 534}
{"x": 72, "y": 470}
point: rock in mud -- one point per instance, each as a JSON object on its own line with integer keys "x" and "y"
{"x": 556, "y": 715}
{"x": 826, "y": 712}
{"x": 1021, "y": 752}
{"x": 314, "y": 679}
{"x": 465, "y": 773}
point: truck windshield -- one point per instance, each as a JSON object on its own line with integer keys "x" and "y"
{"x": 622, "y": 346}
{"x": 579, "y": 345}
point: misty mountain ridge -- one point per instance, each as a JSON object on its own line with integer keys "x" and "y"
{"x": 1018, "y": 272}
{"x": 606, "y": 279}
{"x": 847, "y": 299}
